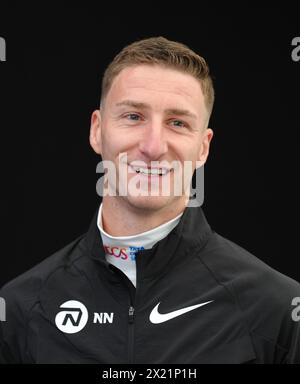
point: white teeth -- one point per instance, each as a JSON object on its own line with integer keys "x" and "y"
{"x": 151, "y": 171}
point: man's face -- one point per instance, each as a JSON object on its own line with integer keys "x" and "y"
{"x": 152, "y": 114}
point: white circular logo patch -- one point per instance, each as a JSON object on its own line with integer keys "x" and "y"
{"x": 72, "y": 318}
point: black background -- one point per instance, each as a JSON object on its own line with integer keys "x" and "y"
{"x": 50, "y": 84}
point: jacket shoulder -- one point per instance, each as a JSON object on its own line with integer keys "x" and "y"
{"x": 21, "y": 296}
{"x": 232, "y": 264}
{"x": 26, "y": 286}
{"x": 264, "y": 296}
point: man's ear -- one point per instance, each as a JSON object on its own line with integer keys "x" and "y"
{"x": 204, "y": 149}
{"x": 95, "y": 132}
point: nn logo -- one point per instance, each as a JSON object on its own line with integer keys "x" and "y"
{"x": 74, "y": 316}
{"x": 2, "y": 309}
{"x": 2, "y": 49}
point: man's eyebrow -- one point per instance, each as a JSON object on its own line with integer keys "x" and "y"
{"x": 169, "y": 111}
{"x": 180, "y": 112}
{"x": 132, "y": 103}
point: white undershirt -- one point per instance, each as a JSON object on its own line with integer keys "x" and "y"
{"x": 120, "y": 250}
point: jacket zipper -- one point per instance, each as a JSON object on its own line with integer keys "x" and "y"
{"x": 130, "y": 314}
{"x": 131, "y": 335}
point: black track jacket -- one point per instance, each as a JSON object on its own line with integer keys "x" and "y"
{"x": 199, "y": 298}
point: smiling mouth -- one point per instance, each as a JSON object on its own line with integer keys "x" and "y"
{"x": 151, "y": 171}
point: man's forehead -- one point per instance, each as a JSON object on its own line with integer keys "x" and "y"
{"x": 165, "y": 83}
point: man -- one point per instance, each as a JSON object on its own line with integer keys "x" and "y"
{"x": 150, "y": 281}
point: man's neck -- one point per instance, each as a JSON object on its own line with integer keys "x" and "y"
{"x": 119, "y": 218}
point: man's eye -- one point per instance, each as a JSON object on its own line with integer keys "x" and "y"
{"x": 178, "y": 123}
{"x": 132, "y": 116}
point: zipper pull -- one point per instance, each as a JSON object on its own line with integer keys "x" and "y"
{"x": 131, "y": 314}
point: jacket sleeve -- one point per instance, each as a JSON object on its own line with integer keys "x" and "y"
{"x": 5, "y": 353}
{"x": 288, "y": 315}
{"x": 12, "y": 329}
{"x": 293, "y": 356}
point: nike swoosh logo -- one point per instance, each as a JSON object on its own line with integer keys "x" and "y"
{"x": 156, "y": 317}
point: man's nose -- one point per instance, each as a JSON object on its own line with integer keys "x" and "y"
{"x": 153, "y": 143}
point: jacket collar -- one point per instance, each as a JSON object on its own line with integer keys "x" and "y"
{"x": 191, "y": 233}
